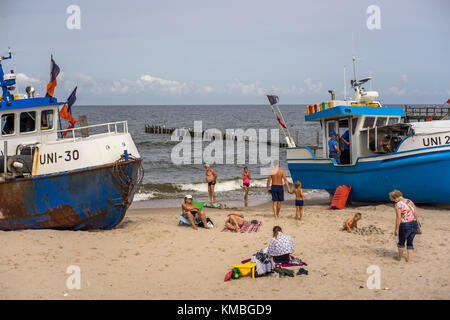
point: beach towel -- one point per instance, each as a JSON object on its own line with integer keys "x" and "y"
{"x": 248, "y": 227}
{"x": 295, "y": 262}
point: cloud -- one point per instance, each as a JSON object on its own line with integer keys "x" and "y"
{"x": 313, "y": 87}
{"x": 397, "y": 91}
{"x": 292, "y": 90}
{"x": 245, "y": 89}
{"x": 23, "y": 78}
{"x": 404, "y": 78}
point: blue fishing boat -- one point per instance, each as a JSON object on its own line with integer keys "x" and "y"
{"x": 82, "y": 177}
{"x": 384, "y": 153}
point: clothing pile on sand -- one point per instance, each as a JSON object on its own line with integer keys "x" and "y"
{"x": 219, "y": 206}
{"x": 366, "y": 231}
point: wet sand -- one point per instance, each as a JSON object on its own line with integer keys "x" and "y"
{"x": 148, "y": 256}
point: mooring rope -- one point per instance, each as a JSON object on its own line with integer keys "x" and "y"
{"x": 124, "y": 178}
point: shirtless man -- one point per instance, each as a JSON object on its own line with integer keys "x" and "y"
{"x": 190, "y": 210}
{"x": 276, "y": 177}
{"x": 211, "y": 177}
{"x": 235, "y": 221}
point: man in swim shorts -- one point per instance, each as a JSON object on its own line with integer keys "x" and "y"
{"x": 276, "y": 178}
{"x": 211, "y": 177}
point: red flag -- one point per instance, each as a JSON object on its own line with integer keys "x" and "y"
{"x": 448, "y": 101}
{"x": 65, "y": 114}
{"x": 281, "y": 123}
{"x": 71, "y": 125}
{"x": 54, "y": 71}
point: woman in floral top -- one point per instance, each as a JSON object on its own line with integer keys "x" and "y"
{"x": 280, "y": 246}
{"x": 406, "y": 223}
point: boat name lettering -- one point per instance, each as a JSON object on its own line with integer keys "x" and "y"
{"x": 435, "y": 141}
{"x": 53, "y": 157}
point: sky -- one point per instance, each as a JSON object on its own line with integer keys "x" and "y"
{"x": 229, "y": 52}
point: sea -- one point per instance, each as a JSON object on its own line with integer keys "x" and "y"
{"x": 166, "y": 181}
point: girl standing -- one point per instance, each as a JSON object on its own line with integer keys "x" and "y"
{"x": 246, "y": 184}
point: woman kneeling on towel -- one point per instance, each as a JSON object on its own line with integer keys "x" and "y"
{"x": 235, "y": 221}
{"x": 280, "y": 246}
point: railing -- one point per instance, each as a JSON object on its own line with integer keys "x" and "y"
{"x": 109, "y": 128}
{"x": 426, "y": 112}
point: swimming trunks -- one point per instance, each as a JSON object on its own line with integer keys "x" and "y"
{"x": 194, "y": 212}
{"x": 277, "y": 193}
{"x": 246, "y": 184}
{"x": 299, "y": 203}
{"x": 211, "y": 183}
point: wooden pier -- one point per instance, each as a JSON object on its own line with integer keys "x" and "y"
{"x": 153, "y": 129}
{"x": 424, "y": 113}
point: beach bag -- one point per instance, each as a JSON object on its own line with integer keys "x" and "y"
{"x": 208, "y": 222}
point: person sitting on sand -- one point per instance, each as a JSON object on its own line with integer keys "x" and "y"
{"x": 352, "y": 223}
{"x": 280, "y": 246}
{"x": 190, "y": 211}
{"x": 405, "y": 224}
{"x": 235, "y": 221}
{"x": 299, "y": 197}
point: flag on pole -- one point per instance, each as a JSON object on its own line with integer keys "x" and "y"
{"x": 273, "y": 99}
{"x": 54, "y": 71}
{"x": 448, "y": 101}
{"x": 281, "y": 123}
{"x": 71, "y": 100}
{"x": 66, "y": 111}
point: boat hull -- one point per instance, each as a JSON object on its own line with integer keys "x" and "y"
{"x": 422, "y": 175}
{"x": 91, "y": 198}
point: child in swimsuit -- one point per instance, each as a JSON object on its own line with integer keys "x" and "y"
{"x": 235, "y": 221}
{"x": 246, "y": 184}
{"x": 352, "y": 223}
{"x": 299, "y": 197}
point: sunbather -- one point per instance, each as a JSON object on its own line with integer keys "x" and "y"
{"x": 235, "y": 221}
{"x": 190, "y": 211}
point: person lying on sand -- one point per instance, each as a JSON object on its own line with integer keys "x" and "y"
{"x": 351, "y": 223}
{"x": 235, "y": 221}
{"x": 190, "y": 211}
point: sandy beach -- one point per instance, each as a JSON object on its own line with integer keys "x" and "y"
{"x": 150, "y": 257}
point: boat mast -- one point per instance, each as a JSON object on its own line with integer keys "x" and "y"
{"x": 5, "y": 83}
{"x": 345, "y": 86}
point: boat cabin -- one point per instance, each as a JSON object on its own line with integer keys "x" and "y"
{"x": 371, "y": 130}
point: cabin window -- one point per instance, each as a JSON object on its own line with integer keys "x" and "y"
{"x": 47, "y": 120}
{"x": 381, "y": 121}
{"x": 354, "y": 124}
{"x": 393, "y": 121}
{"x": 28, "y": 121}
{"x": 331, "y": 126}
{"x": 368, "y": 122}
{"x": 8, "y": 124}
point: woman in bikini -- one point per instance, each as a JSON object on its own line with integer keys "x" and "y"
{"x": 190, "y": 211}
{"x": 235, "y": 221}
{"x": 246, "y": 184}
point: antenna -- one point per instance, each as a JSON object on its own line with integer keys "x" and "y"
{"x": 345, "y": 86}
{"x": 353, "y": 57}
